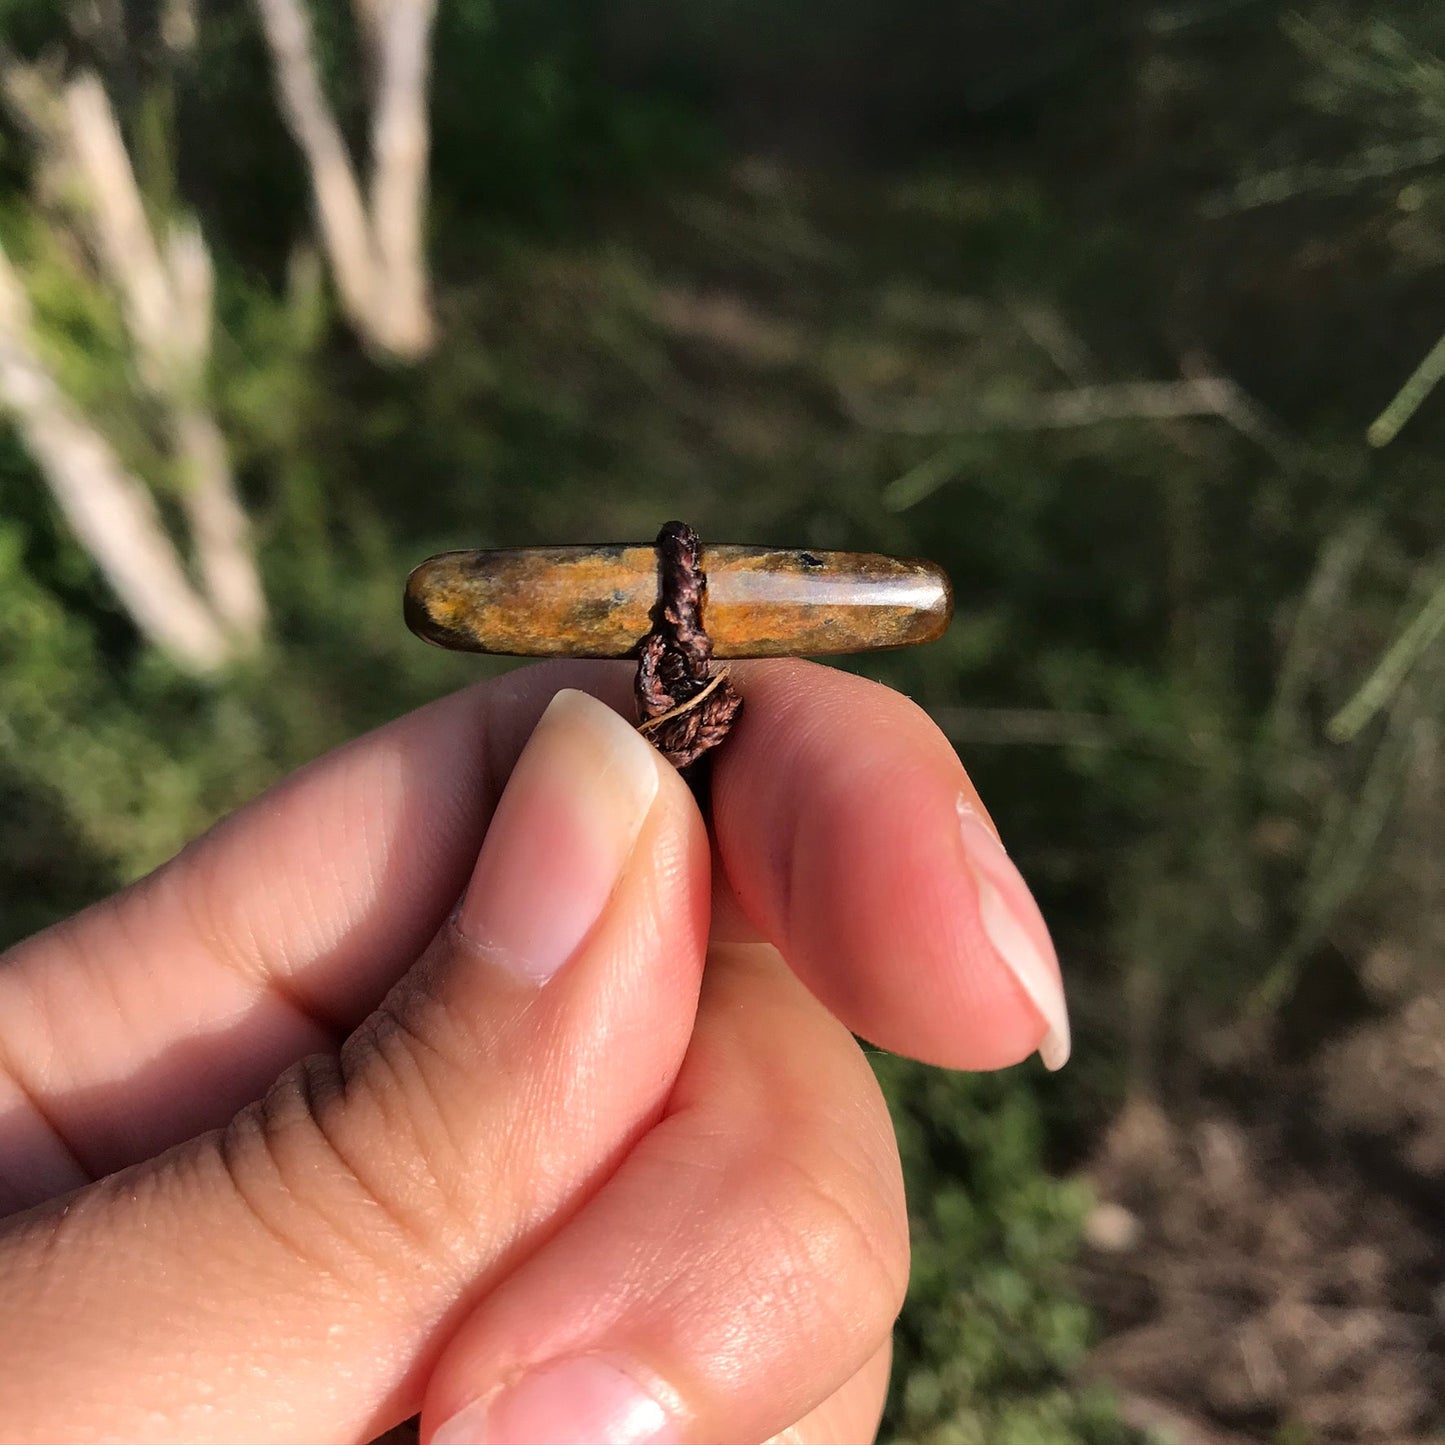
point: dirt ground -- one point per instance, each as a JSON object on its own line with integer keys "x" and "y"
{"x": 1274, "y": 1268}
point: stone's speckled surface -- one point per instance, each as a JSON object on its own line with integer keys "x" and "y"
{"x": 597, "y": 601}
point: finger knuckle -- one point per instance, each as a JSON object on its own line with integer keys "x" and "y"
{"x": 345, "y": 1170}
{"x": 846, "y": 1228}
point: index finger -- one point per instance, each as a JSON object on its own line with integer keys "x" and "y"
{"x": 855, "y": 843}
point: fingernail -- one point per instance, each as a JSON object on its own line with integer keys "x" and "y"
{"x": 1016, "y": 929}
{"x": 560, "y": 837}
{"x": 582, "y": 1401}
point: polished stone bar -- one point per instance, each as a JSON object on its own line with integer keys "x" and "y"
{"x": 596, "y": 601}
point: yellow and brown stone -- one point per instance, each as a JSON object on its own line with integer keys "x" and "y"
{"x": 597, "y": 601}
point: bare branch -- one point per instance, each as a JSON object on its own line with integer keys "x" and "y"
{"x": 218, "y": 526}
{"x": 219, "y": 529}
{"x": 1380, "y": 687}
{"x": 1052, "y": 334}
{"x": 340, "y": 213}
{"x": 376, "y": 254}
{"x": 400, "y": 144}
{"x": 111, "y": 513}
{"x": 179, "y": 26}
{"x": 191, "y": 296}
{"x": 1034, "y": 727}
{"x": 166, "y": 293}
{"x": 1410, "y": 397}
{"x": 120, "y": 230}
{"x": 1059, "y": 410}
{"x": 1082, "y": 406}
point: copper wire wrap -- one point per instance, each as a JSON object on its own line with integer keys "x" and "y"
{"x": 686, "y": 708}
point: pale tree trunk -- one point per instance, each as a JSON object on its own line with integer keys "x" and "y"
{"x": 219, "y": 529}
{"x": 110, "y": 512}
{"x": 85, "y": 141}
{"x": 179, "y": 25}
{"x": 165, "y": 288}
{"x": 373, "y": 240}
{"x": 400, "y": 145}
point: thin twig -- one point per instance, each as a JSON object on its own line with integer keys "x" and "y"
{"x": 1339, "y": 559}
{"x": 1033, "y": 727}
{"x": 1347, "y": 844}
{"x": 1083, "y": 406}
{"x": 1410, "y": 397}
{"x": 1384, "y": 681}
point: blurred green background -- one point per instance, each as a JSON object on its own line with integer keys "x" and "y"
{"x": 1127, "y": 314}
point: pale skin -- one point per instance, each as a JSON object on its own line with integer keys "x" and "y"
{"x": 294, "y": 1146}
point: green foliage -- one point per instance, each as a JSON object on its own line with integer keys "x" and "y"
{"x": 530, "y": 131}
{"x": 1157, "y": 618}
{"x": 27, "y": 25}
{"x": 993, "y": 1335}
{"x": 83, "y": 342}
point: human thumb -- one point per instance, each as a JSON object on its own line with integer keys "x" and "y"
{"x": 292, "y": 1276}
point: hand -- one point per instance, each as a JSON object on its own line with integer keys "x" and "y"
{"x": 525, "y": 1169}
